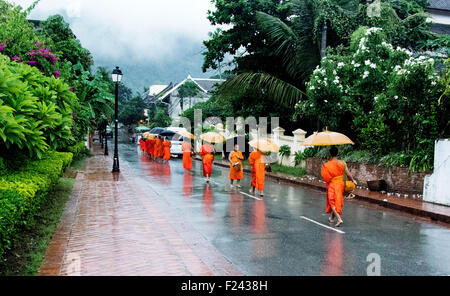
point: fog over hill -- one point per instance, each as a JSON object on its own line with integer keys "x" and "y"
{"x": 153, "y": 42}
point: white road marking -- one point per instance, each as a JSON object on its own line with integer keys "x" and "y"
{"x": 328, "y": 227}
{"x": 254, "y": 197}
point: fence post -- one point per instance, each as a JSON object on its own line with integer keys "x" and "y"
{"x": 299, "y": 138}
{"x": 277, "y": 134}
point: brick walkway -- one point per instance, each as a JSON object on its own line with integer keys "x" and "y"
{"x": 112, "y": 226}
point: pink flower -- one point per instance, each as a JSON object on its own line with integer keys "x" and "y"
{"x": 57, "y": 74}
{"x": 32, "y": 62}
{"x": 71, "y": 89}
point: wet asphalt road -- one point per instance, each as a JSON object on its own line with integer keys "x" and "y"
{"x": 278, "y": 235}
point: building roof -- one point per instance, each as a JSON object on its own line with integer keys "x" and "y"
{"x": 440, "y": 4}
{"x": 156, "y": 89}
{"x": 205, "y": 85}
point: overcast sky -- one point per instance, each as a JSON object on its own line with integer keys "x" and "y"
{"x": 144, "y": 32}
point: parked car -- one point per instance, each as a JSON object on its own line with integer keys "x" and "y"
{"x": 175, "y": 139}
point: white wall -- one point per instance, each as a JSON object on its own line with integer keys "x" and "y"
{"x": 436, "y": 185}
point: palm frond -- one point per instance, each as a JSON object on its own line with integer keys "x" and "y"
{"x": 276, "y": 89}
{"x": 296, "y": 49}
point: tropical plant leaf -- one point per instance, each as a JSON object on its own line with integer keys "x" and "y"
{"x": 277, "y": 90}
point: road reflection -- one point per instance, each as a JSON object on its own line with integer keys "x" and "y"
{"x": 188, "y": 179}
{"x": 334, "y": 253}
{"x": 259, "y": 217}
{"x": 208, "y": 200}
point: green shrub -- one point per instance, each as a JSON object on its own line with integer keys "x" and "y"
{"x": 78, "y": 149}
{"x": 23, "y": 191}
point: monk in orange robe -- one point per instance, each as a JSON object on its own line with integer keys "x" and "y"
{"x": 187, "y": 154}
{"x": 207, "y": 154}
{"x": 151, "y": 147}
{"x": 256, "y": 160}
{"x": 148, "y": 147}
{"x": 158, "y": 148}
{"x": 333, "y": 173}
{"x": 235, "y": 158}
{"x": 166, "y": 148}
{"x": 142, "y": 143}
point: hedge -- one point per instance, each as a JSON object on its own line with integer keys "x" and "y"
{"x": 23, "y": 191}
{"x": 77, "y": 149}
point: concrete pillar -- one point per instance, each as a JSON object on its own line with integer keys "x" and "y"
{"x": 299, "y": 138}
{"x": 277, "y": 134}
{"x": 436, "y": 185}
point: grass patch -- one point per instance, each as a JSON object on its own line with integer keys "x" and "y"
{"x": 277, "y": 168}
{"x": 28, "y": 249}
{"x": 293, "y": 171}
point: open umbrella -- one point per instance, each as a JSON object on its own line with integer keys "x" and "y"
{"x": 213, "y": 137}
{"x": 141, "y": 129}
{"x": 264, "y": 145}
{"x": 327, "y": 138}
{"x": 186, "y": 134}
{"x": 149, "y": 136}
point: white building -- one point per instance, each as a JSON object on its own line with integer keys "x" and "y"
{"x": 169, "y": 94}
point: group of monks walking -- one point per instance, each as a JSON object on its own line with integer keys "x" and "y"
{"x": 335, "y": 172}
{"x": 159, "y": 148}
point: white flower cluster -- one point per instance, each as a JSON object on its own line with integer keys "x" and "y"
{"x": 362, "y": 45}
{"x": 356, "y": 65}
{"x": 388, "y": 45}
{"x": 372, "y": 30}
{"x": 404, "y": 50}
{"x": 412, "y": 62}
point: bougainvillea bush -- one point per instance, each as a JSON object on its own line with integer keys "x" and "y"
{"x": 385, "y": 97}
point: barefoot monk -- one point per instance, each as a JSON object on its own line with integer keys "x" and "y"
{"x": 333, "y": 173}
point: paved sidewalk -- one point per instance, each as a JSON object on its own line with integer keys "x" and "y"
{"x": 113, "y": 227}
{"x": 415, "y": 207}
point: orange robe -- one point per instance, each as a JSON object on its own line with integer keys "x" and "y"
{"x": 158, "y": 148}
{"x": 187, "y": 159}
{"x": 166, "y": 146}
{"x": 149, "y": 147}
{"x": 236, "y": 157}
{"x": 207, "y": 156}
{"x": 332, "y": 174}
{"x": 256, "y": 160}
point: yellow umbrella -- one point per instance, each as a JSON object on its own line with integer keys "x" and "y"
{"x": 186, "y": 134}
{"x": 264, "y": 145}
{"x": 213, "y": 137}
{"x": 327, "y": 138}
{"x": 150, "y": 136}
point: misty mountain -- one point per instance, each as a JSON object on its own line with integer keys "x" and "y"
{"x": 187, "y": 60}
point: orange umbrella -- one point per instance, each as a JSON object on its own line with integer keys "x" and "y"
{"x": 264, "y": 145}
{"x": 213, "y": 137}
{"x": 327, "y": 138}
